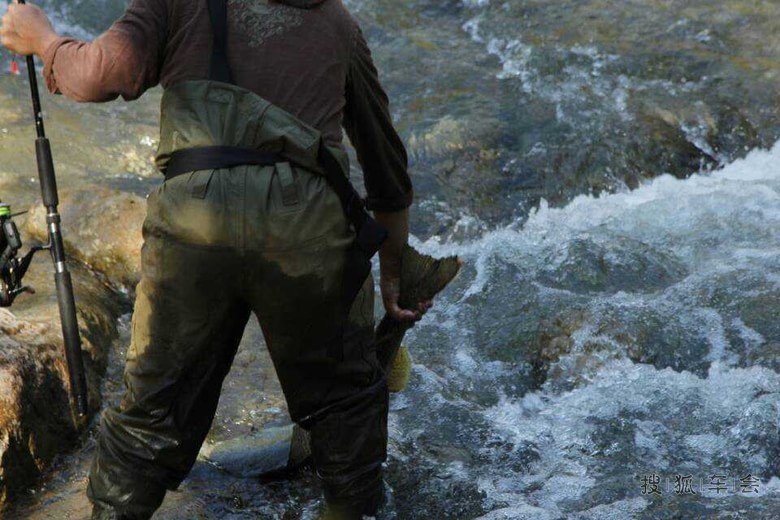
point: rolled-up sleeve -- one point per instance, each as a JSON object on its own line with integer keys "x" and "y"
{"x": 368, "y": 124}
{"x": 124, "y": 61}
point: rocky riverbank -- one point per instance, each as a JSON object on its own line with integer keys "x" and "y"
{"x": 37, "y": 423}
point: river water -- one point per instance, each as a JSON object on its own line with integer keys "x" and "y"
{"x": 609, "y": 173}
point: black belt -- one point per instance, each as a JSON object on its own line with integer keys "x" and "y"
{"x": 215, "y": 157}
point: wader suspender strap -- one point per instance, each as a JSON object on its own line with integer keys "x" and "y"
{"x": 219, "y": 69}
{"x": 369, "y": 234}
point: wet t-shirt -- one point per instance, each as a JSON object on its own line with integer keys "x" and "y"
{"x": 308, "y": 57}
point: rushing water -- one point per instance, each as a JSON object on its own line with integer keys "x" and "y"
{"x": 617, "y": 337}
{"x": 609, "y": 173}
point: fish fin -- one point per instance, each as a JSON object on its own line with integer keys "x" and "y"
{"x": 423, "y": 277}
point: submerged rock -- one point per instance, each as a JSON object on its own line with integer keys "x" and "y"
{"x": 621, "y": 264}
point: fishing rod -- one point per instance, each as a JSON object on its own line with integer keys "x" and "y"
{"x": 13, "y": 269}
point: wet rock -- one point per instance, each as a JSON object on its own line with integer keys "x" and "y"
{"x": 766, "y": 355}
{"x": 36, "y": 419}
{"x": 102, "y": 228}
{"x": 556, "y": 335}
{"x": 585, "y": 265}
{"x": 759, "y": 311}
{"x": 255, "y": 455}
{"x": 669, "y": 146}
{"x": 30, "y": 371}
{"x": 576, "y": 345}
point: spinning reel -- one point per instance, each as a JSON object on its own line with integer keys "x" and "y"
{"x": 12, "y": 268}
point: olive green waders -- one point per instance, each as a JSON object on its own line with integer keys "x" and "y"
{"x": 219, "y": 245}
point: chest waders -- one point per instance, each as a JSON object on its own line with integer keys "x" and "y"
{"x": 285, "y": 140}
{"x": 349, "y": 434}
{"x": 187, "y": 144}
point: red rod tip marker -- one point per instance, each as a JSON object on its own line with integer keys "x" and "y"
{"x": 14, "y": 68}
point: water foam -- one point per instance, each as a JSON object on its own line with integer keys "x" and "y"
{"x": 606, "y": 416}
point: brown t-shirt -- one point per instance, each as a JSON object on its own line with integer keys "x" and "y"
{"x": 308, "y": 57}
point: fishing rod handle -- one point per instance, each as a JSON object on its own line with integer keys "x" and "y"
{"x": 46, "y": 172}
{"x": 70, "y": 333}
{"x": 67, "y": 306}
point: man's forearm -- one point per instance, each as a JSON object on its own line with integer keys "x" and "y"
{"x": 397, "y": 225}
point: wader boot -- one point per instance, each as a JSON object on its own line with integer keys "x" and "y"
{"x": 220, "y": 244}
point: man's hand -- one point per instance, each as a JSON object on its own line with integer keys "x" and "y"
{"x": 26, "y": 30}
{"x": 397, "y": 225}
{"x": 391, "y": 289}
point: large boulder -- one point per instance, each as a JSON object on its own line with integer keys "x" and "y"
{"x": 102, "y": 230}
{"x": 36, "y": 418}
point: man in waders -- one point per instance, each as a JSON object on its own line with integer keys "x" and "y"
{"x": 254, "y": 216}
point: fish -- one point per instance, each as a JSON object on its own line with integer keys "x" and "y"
{"x": 422, "y": 278}
{"x": 279, "y": 449}
{"x": 400, "y": 371}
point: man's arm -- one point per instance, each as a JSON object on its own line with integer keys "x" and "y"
{"x": 125, "y": 60}
{"x": 382, "y": 155}
{"x": 368, "y": 124}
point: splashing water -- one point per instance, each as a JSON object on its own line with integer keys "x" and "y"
{"x": 613, "y": 339}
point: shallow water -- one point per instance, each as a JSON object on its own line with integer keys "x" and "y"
{"x": 609, "y": 173}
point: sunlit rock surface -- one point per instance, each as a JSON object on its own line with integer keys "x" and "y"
{"x": 102, "y": 228}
